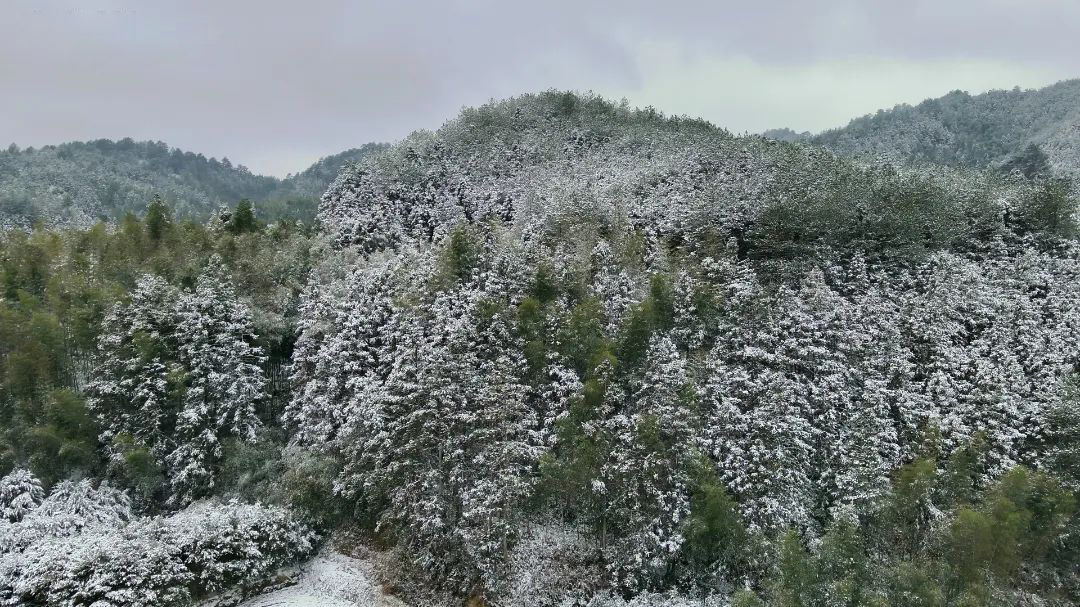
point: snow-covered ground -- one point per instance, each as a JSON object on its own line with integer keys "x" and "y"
{"x": 330, "y": 579}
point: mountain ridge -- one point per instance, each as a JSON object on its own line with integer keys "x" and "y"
{"x": 82, "y": 182}
{"x": 959, "y": 129}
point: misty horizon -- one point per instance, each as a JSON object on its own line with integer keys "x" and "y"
{"x": 276, "y": 88}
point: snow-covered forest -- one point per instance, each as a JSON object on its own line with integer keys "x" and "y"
{"x": 993, "y": 129}
{"x": 558, "y": 352}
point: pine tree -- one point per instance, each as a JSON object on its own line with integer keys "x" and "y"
{"x": 867, "y": 444}
{"x": 242, "y": 219}
{"x": 223, "y": 380}
{"x": 342, "y": 357}
{"x": 20, "y": 493}
{"x": 759, "y": 428}
{"x": 647, "y": 475}
{"x": 158, "y": 218}
{"x": 452, "y": 456}
{"x": 134, "y": 388}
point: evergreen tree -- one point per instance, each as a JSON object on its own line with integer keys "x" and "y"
{"x": 158, "y": 218}
{"x": 647, "y": 477}
{"x": 179, "y": 373}
{"x": 222, "y": 380}
{"x": 451, "y": 457}
{"x": 134, "y": 393}
{"x": 242, "y": 219}
{"x": 342, "y": 357}
{"x": 20, "y": 493}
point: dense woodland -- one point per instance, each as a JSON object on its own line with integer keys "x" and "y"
{"x": 559, "y": 352}
{"x": 81, "y": 183}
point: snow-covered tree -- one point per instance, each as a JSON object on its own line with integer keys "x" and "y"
{"x": 453, "y": 452}
{"x": 138, "y": 356}
{"x": 647, "y": 475}
{"x": 223, "y": 380}
{"x": 867, "y": 446}
{"x": 342, "y": 356}
{"x": 20, "y": 493}
{"x": 178, "y": 373}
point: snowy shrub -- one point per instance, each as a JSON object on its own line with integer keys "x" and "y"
{"x": 551, "y": 564}
{"x": 130, "y": 567}
{"x": 308, "y": 485}
{"x": 71, "y": 506}
{"x": 649, "y": 599}
{"x": 80, "y": 548}
{"x": 227, "y": 544}
{"x": 20, "y": 492}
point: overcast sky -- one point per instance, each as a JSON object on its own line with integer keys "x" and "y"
{"x": 275, "y": 85}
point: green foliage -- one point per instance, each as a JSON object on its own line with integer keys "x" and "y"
{"x": 972, "y": 547}
{"x": 1031, "y": 512}
{"x": 877, "y": 209}
{"x": 460, "y": 256}
{"x": 908, "y": 511}
{"x": 746, "y": 598}
{"x": 544, "y": 287}
{"x": 139, "y": 471}
{"x": 158, "y": 219}
{"x": 568, "y": 473}
{"x": 56, "y": 287}
{"x": 582, "y": 340}
{"x": 962, "y": 472}
{"x": 308, "y": 486}
{"x": 795, "y": 581}
{"x": 911, "y": 584}
{"x": 1051, "y": 209}
{"x": 1011, "y": 534}
{"x": 242, "y": 220}
{"x": 1064, "y": 439}
{"x": 844, "y": 568}
{"x": 531, "y": 324}
{"x": 61, "y": 438}
{"x": 716, "y": 538}
{"x": 655, "y": 313}
{"x": 248, "y": 469}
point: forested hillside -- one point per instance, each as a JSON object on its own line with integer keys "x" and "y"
{"x": 83, "y": 182}
{"x": 560, "y": 352}
{"x": 591, "y": 348}
{"x": 991, "y": 130}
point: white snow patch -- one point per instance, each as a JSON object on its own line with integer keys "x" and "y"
{"x": 330, "y": 579}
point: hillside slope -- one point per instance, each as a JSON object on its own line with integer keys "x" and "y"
{"x": 82, "y": 182}
{"x": 567, "y": 351}
{"x": 557, "y": 352}
{"x": 980, "y": 131}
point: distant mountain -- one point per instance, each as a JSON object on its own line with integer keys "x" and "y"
{"x": 315, "y": 179}
{"x": 297, "y": 196}
{"x": 787, "y": 135}
{"x": 83, "y": 182}
{"x": 990, "y": 130}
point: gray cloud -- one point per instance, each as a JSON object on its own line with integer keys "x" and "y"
{"x": 274, "y": 85}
